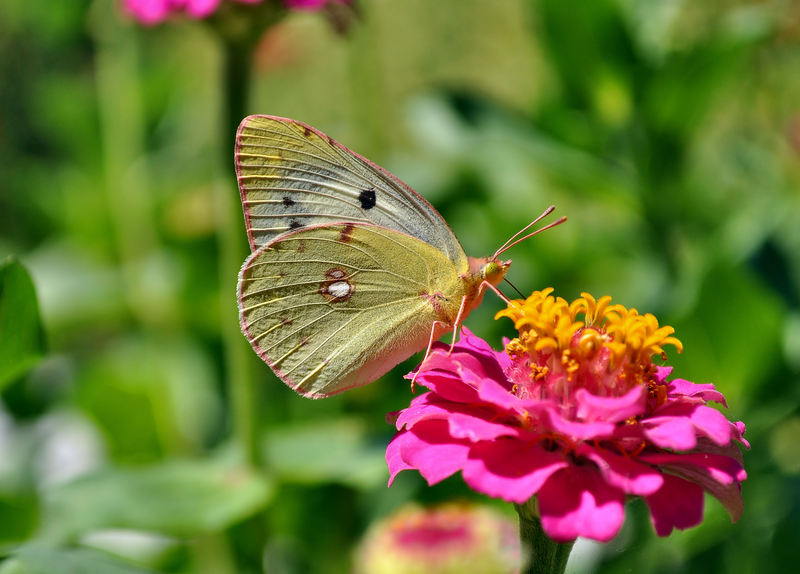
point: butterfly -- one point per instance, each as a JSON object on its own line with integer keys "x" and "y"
{"x": 351, "y": 271}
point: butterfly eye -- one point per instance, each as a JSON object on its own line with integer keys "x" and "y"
{"x": 492, "y": 272}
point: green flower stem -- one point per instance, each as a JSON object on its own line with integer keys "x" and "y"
{"x": 232, "y": 238}
{"x": 213, "y": 554}
{"x": 541, "y": 555}
{"x": 238, "y": 29}
{"x": 129, "y": 196}
{"x": 127, "y": 187}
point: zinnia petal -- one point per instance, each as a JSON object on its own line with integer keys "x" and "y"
{"x": 394, "y": 457}
{"x": 670, "y": 432}
{"x": 510, "y": 469}
{"x": 706, "y": 391}
{"x": 677, "y": 504}
{"x": 445, "y": 383}
{"x": 577, "y": 430}
{"x": 148, "y": 12}
{"x": 610, "y": 409}
{"x": 201, "y": 8}
{"x": 628, "y": 475}
{"x": 702, "y": 466}
{"x": 471, "y": 422}
{"x": 737, "y": 431}
{"x": 576, "y": 501}
{"x": 430, "y": 449}
{"x": 712, "y": 423}
{"x": 717, "y": 474}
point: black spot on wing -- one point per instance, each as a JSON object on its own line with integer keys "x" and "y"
{"x": 367, "y": 199}
{"x": 294, "y": 224}
{"x": 288, "y": 201}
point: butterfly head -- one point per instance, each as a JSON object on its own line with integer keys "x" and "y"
{"x": 493, "y": 270}
{"x": 486, "y": 269}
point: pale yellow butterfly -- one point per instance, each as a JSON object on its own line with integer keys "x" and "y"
{"x": 351, "y": 271}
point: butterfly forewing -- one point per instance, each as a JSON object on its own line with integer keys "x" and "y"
{"x": 292, "y": 176}
{"x": 336, "y": 306}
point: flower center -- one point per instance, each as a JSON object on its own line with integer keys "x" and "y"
{"x": 607, "y": 353}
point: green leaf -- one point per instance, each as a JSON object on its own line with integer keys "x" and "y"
{"x": 331, "y": 451}
{"x": 37, "y": 559}
{"x": 19, "y": 514}
{"x": 166, "y": 404}
{"x": 21, "y": 335}
{"x": 182, "y": 498}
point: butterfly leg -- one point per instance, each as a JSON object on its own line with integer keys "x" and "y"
{"x": 428, "y": 349}
{"x": 457, "y": 323}
{"x": 486, "y": 284}
{"x": 462, "y": 308}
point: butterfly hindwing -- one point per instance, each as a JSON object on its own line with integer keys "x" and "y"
{"x": 292, "y": 176}
{"x": 335, "y": 306}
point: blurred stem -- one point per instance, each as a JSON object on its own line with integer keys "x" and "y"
{"x": 237, "y": 62}
{"x": 368, "y": 94}
{"x": 238, "y": 28}
{"x": 128, "y": 189}
{"x": 541, "y": 555}
{"x": 212, "y": 554}
{"x": 127, "y": 186}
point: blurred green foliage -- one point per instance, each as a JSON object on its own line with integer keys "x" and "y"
{"x": 20, "y": 327}
{"x": 668, "y": 132}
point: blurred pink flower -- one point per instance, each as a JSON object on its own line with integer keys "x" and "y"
{"x": 576, "y": 413}
{"x": 150, "y": 12}
{"x": 311, "y": 4}
{"x": 446, "y": 539}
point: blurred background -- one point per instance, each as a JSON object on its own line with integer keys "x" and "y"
{"x": 139, "y": 433}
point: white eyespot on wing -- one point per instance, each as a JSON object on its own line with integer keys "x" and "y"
{"x": 337, "y": 286}
{"x": 339, "y": 289}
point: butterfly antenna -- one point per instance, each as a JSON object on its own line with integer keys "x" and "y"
{"x": 544, "y": 214}
{"x": 512, "y": 242}
{"x": 514, "y": 287}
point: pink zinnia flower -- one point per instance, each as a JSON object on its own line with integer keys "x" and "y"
{"x": 576, "y": 414}
{"x": 446, "y": 539}
{"x": 150, "y": 12}
{"x": 311, "y": 4}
